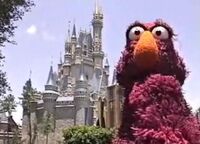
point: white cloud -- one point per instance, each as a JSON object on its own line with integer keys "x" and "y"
{"x": 41, "y": 32}
{"x": 32, "y": 30}
{"x": 47, "y": 36}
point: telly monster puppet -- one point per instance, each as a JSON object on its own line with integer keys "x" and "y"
{"x": 152, "y": 73}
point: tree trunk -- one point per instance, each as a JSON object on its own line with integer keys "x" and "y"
{"x": 30, "y": 129}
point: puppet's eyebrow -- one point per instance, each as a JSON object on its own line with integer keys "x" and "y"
{"x": 149, "y": 25}
{"x": 136, "y": 23}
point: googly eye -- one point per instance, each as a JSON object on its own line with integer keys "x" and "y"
{"x": 135, "y": 33}
{"x": 160, "y": 32}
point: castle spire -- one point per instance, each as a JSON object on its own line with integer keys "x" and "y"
{"x": 68, "y": 32}
{"x": 74, "y": 31}
{"x": 30, "y": 74}
{"x": 97, "y": 9}
{"x": 50, "y": 80}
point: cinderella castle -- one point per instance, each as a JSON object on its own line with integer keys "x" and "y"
{"x": 70, "y": 94}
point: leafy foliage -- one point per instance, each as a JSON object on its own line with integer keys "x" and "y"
{"x": 4, "y": 87}
{"x": 8, "y": 104}
{"x": 28, "y": 95}
{"x": 87, "y": 135}
{"x": 11, "y": 11}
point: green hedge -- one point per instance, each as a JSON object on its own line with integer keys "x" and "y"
{"x": 87, "y": 135}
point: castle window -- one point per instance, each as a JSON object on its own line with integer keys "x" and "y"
{"x": 85, "y": 53}
{"x": 86, "y": 77}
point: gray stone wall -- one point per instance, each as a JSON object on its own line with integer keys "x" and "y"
{"x": 60, "y": 125}
{"x": 88, "y": 71}
{"x": 64, "y": 112}
{"x": 80, "y": 116}
{"x": 64, "y": 117}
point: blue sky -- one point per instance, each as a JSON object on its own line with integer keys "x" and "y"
{"x": 42, "y": 33}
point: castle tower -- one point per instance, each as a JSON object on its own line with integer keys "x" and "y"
{"x": 81, "y": 100}
{"x": 97, "y": 24}
{"x": 50, "y": 94}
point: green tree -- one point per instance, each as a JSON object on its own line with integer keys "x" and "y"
{"x": 28, "y": 97}
{"x": 11, "y": 11}
{"x": 8, "y": 104}
{"x": 47, "y": 126}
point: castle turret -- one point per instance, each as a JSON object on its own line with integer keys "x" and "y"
{"x": 51, "y": 93}
{"x": 82, "y": 101}
{"x": 97, "y": 24}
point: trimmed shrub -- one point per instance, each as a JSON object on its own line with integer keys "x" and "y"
{"x": 87, "y": 135}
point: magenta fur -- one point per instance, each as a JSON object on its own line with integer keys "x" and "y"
{"x": 155, "y": 111}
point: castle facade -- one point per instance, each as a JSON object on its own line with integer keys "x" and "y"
{"x": 71, "y": 93}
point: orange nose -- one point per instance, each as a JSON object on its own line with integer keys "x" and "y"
{"x": 146, "y": 51}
